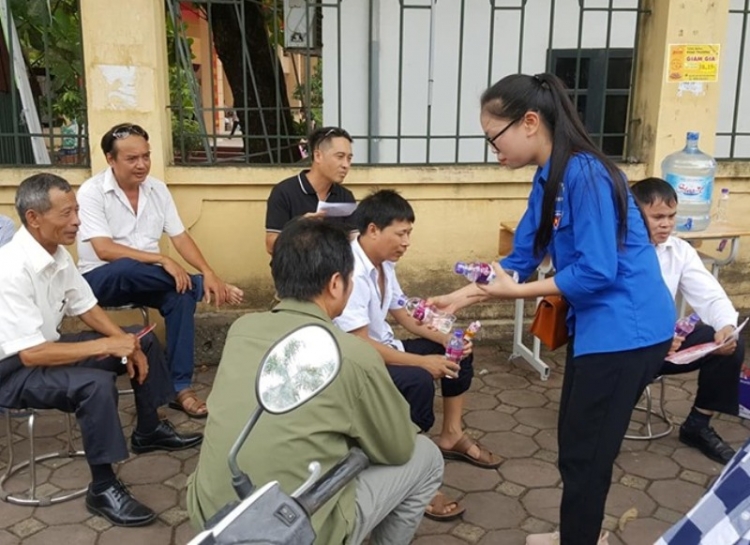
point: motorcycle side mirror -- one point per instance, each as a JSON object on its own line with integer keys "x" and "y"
{"x": 294, "y": 370}
{"x": 297, "y": 368}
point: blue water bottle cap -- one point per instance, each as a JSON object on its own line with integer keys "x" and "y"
{"x": 725, "y": 191}
{"x": 459, "y": 267}
{"x": 458, "y": 333}
{"x": 693, "y": 135}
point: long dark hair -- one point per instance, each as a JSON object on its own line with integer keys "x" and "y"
{"x": 546, "y": 94}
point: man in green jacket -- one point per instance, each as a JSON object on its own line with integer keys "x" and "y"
{"x": 312, "y": 270}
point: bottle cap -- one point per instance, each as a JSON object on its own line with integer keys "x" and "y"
{"x": 725, "y": 191}
{"x": 458, "y": 333}
{"x": 693, "y": 135}
{"x": 459, "y": 267}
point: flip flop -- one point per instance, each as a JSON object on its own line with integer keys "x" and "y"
{"x": 441, "y": 503}
{"x": 486, "y": 459}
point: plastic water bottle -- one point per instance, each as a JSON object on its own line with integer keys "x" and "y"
{"x": 691, "y": 172}
{"x": 722, "y": 207}
{"x": 474, "y": 328}
{"x": 686, "y": 325}
{"x": 455, "y": 349}
{"x": 419, "y": 310}
{"x": 481, "y": 273}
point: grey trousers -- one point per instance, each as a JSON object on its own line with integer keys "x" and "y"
{"x": 392, "y": 499}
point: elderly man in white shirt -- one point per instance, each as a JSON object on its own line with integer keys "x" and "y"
{"x": 41, "y": 369}
{"x": 684, "y": 272}
{"x": 124, "y": 213}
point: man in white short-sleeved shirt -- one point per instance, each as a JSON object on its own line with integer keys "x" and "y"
{"x": 75, "y": 373}
{"x": 124, "y": 213}
{"x": 384, "y": 220}
{"x": 684, "y": 272}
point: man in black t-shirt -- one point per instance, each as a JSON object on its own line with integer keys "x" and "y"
{"x": 331, "y": 155}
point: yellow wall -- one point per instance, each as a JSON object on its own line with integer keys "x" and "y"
{"x": 664, "y": 110}
{"x": 458, "y": 210}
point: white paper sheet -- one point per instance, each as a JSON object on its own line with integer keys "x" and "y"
{"x": 334, "y": 209}
{"x": 693, "y": 353}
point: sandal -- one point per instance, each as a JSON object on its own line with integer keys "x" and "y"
{"x": 188, "y": 402}
{"x": 442, "y": 509}
{"x": 460, "y": 450}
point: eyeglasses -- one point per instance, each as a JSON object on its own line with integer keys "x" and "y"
{"x": 334, "y": 133}
{"x": 491, "y": 141}
{"x": 128, "y": 130}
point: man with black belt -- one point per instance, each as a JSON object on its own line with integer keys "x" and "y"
{"x": 331, "y": 155}
{"x": 41, "y": 369}
{"x": 684, "y": 272}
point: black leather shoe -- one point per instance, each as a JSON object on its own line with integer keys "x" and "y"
{"x": 164, "y": 437}
{"x": 708, "y": 442}
{"x": 119, "y": 507}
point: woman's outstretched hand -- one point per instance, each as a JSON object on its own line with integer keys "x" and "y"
{"x": 503, "y": 286}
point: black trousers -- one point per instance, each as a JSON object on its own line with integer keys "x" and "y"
{"x": 718, "y": 376}
{"x": 88, "y": 389}
{"x": 418, "y": 387}
{"x": 598, "y": 395}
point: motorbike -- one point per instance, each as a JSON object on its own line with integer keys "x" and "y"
{"x": 295, "y": 369}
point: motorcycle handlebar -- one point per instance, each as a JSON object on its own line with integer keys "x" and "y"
{"x": 334, "y": 480}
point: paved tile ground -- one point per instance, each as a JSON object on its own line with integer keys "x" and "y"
{"x": 509, "y": 407}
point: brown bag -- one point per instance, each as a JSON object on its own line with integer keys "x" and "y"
{"x": 549, "y": 322}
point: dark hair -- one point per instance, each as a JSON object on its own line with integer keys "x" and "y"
{"x": 321, "y": 135}
{"x": 307, "y": 253}
{"x": 382, "y": 208}
{"x": 651, "y": 190}
{"x": 33, "y": 193}
{"x": 123, "y": 130}
{"x": 513, "y": 96}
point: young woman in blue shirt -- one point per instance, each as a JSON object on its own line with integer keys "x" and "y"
{"x": 580, "y": 212}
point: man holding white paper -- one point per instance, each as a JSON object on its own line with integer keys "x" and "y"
{"x": 684, "y": 272}
{"x": 317, "y": 192}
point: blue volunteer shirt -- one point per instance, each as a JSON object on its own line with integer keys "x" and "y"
{"x": 618, "y": 299}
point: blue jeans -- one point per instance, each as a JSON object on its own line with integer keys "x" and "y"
{"x": 129, "y": 282}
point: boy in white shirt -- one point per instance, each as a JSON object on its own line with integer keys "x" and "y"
{"x": 683, "y": 271}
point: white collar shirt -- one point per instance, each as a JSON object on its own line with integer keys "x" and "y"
{"x": 366, "y": 305}
{"x": 106, "y": 212}
{"x": 684, "y": 272}
{"x": 36, "y": 290}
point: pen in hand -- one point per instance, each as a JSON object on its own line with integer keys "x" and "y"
{"x": 142, "y": 333}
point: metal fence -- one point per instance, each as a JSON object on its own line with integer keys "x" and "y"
{"x": 733, "y": 134}
{"x": 42, "y": 93}
{"x": 402, "y": 76}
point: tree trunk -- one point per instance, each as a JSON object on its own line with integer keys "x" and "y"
{"x": 261, "y": 102}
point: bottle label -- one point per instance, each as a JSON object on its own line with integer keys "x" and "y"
{"x": 692, "y": 189}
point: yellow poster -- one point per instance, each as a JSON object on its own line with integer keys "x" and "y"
{"x": 693, "y": 62}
